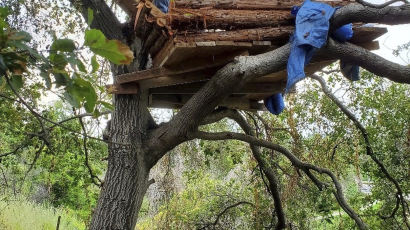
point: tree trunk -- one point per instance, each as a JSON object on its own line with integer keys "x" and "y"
{"x": 126, "y": 179}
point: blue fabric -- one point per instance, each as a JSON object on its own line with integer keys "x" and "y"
{"x": 349, "y": 71}
{"x": 162, "y": 5}
{"x": 312, "y": 27}
{"x": 343, "y": 33}
{"x": 275, "y": 103}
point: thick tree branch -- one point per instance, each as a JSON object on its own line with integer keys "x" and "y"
{"x": 379, "y": 6}
{"x": 227, "y": 79}
{"x": 104, "y": 18}
{"x": 292, "y": 158}
{"x": 390, "y": 15}
{"x": 368, "y": 60}
{"x": 369, "y": 149}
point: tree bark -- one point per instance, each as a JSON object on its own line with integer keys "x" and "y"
{"x": 278, "y": 35}
{"x": 126, "y": 180}
{"x": 246, "y": 4}
{"x": 227, "y": 19}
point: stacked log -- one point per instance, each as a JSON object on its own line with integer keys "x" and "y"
{"x": 198, "y": 19}
{"x": 216, "y": 20}
{"x": 249, "y": 5}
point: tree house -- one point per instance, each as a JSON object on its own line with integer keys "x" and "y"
{"x": 198, "y": 37}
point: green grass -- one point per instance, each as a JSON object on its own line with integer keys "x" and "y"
{"x": 21, "y": 214}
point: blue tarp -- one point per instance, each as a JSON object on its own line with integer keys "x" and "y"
{"x": 162, "y": 5}
{"x": 312, "y": 27}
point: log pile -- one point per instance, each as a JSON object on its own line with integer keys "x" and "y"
{"x": 216, "y": 20}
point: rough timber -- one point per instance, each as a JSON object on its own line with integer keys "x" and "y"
{"x": 198, "y": 37}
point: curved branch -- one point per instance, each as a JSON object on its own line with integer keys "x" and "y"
{"x": 292, "y": 158}
{"x": 273, "y": 181}
{"x": 223, "y": 212}
{"x": 12, "y": 152}
{"x": 390, "y": 15}
{"x": 368, "y": 60}
{"x": 369, "y": 149}
{"x": 379, "y": 6}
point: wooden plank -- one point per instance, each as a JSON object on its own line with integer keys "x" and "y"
{"x": 186, "y": 52}
{"x": 211, "y": 43}
{"x": 188, "y": 67}
{"x": 177, "y": 101}
{"x": 278, "y": 35}
{"x": 178, "y": 79}
{"x": 163, "y": 55}
{"x": 367, "y": 34}
{"x": 129, "y": 88}
{"x": 192, "y": 88}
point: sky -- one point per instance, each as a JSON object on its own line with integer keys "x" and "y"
{"x": 396, "y": 35}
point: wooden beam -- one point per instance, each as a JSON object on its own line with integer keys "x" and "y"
{"x": 128, "y": 88}
{"x": 177, "y": 101}
{"x": 187, "y": 67}
{"x": 192, "y": 88}
{"x": 278, "y": 35}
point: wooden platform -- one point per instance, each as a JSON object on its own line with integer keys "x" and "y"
{"x": 185, "y": 58}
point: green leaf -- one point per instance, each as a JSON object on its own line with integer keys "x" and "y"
{"x": 47, "y": 79}
{"x": 90, "y": 16}
{"x": 20, "y": 36}
{"x": 82, "y": 91}
{"x": 16, "y": 82}
{"x": 72, "y": 99}
{"x": 58, "y": 60}
{"x": 106, "y": 105}
{"x": 65, "y": 45}
{"x": 113, "y": 50}
{"x": 81, "y": 66}
{"x": 94, "y": 64}
{"x": 61, "y": 78}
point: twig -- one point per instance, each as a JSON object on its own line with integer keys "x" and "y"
{"x": 223, "y": 212}
{"x": 87, "y": 163}
{"x": 12, "y": 152}
{"x": 58, "y": 223}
